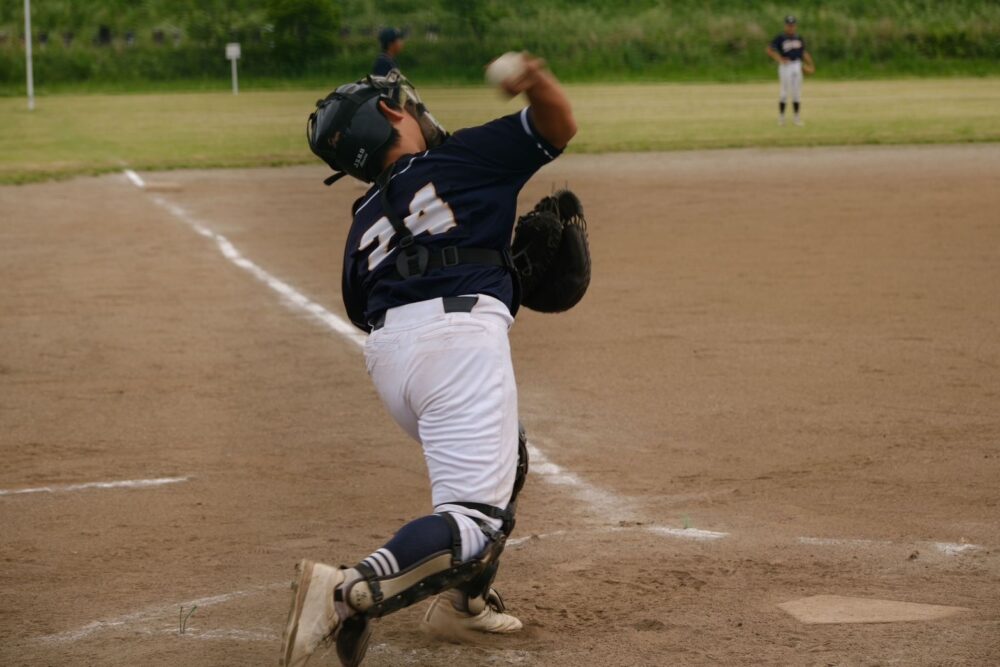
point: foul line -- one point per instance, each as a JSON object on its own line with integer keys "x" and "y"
{"x": 135, "y": 178}
{"x": 166, "y": 612}
{"x": 683, "y": 533}
{"x": 289, "y": 295}
{"x": 947, "y": 548}
{"x": 122, "y": 484}
{"x": 609, "y": 504}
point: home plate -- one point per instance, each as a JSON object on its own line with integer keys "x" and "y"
{"x": 840, "y": 609}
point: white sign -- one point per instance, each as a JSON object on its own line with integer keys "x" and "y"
{"x": 232, "y": 55}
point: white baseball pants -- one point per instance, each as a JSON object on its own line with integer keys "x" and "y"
{"x": 790, "y": 75}
{"x": 447, "y": 379}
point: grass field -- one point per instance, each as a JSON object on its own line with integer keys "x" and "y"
{"x": 89, "y": 134}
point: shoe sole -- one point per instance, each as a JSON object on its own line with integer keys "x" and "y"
{"x": 300, "y": 587}
{"x": 351, "y": 656}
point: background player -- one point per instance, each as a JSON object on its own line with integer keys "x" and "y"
{"x": 391, "y": 41}
{"x": 788, "y": 49}
{"x": 427, "y": 272}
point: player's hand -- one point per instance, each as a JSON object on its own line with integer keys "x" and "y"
{"x": 785, "y": 61}
{"x": 533, "y": 67}
{"x": 808, "y": 69}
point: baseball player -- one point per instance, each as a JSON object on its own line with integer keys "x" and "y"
{"x": 428, "y": 274}
{"x": 392, "y": 41}
{"x": 789, "y": 50}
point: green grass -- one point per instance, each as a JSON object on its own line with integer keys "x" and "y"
{"x": 91, "y": 134}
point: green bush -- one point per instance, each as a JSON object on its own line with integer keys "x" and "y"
{"x": 303, "y": 32}
{"x": 450, "y": 40}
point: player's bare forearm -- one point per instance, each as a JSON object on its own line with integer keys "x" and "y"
{"x": 774, "y": 55}
{"x": 551, "y": 110}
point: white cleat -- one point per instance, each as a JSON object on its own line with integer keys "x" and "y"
{"x": 313, "y": 619}
{"x": 446, "y": 621}
{"x": 798, "y": 121}
{"x": 781, "y": 121}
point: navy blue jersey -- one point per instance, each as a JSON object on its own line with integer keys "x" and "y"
{"x": 791, "y": 47}
{"x": 462, "y": 193}
{"x": 384, "y": 64}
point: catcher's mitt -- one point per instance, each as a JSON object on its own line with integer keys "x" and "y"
{"x": 551, "y": 253}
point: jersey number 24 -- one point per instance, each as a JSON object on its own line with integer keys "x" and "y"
{"x": 428, "y": 213}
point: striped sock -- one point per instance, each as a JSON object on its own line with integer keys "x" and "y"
{"x": 411, "y": 544}
{"x": 383, "y": 563}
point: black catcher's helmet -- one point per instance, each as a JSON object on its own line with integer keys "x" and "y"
{"x": 347, "y": 128}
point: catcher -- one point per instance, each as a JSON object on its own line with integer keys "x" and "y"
{"x": 429, "y": 274}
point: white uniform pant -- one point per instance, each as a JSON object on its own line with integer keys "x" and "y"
{"x": 790, "y": 75}
{"x": 447, "y": 379}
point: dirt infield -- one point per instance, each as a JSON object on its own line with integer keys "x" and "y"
{"x": 784, "y": 382}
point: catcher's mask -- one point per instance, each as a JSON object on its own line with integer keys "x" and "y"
{"x": 347, "y": 128}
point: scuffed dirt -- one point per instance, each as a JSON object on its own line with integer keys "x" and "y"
{"x": 777, "y": 345}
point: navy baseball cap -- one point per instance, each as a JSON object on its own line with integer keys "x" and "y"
{"x": 387, "y": 36}
{"x": 791, "y": 20}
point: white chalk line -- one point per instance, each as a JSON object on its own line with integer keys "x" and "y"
{"x": 149, "y": 614}
{"x": 842, "y": 542}
{"x": 955, "y": 548}
{"x": 217, "y": 634}
{"x": 609, "y": 505}
{"x": 291, "y": 297}
{"x": 120, "y": 484}
{"x": 135, "y": 178}
{"x": 946, "y": 548}
{"x": 168, "y": 612}
{"x": 663, "y": 531}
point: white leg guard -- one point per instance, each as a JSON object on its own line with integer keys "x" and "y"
{"x": 368, "y": 593}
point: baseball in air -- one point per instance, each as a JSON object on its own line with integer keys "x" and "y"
{"x": 507, "y": 67}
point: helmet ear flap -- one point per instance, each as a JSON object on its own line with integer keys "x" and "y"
{"x": 315, "y": 139}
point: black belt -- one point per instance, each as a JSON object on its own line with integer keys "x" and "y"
{"x": 452, "y": 304}
{"x": 416, "y": 260}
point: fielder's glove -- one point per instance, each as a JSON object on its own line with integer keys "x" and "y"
{"x": 551, "y": 253}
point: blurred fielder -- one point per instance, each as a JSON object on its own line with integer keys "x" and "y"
{"x": 789, "y": 50}
{"x": 392, "y": 41}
